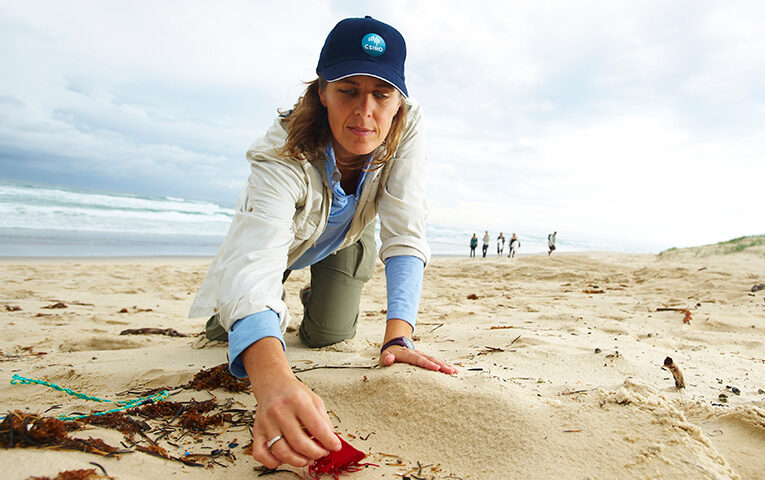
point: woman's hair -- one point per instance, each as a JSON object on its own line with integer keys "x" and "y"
{"x": 308, "y": 130}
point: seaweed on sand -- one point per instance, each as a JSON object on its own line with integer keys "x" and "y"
{"x": 19, "y": 429}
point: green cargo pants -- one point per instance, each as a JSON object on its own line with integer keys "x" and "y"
{"x": 332, "y": 310}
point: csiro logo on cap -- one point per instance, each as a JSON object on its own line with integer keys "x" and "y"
{"x": 373, "y": 44}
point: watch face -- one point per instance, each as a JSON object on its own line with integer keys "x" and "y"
{"x": 408, "y": 343}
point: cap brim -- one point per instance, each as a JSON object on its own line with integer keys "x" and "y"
{"x": 347, "y": 69}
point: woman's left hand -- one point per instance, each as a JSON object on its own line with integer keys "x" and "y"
{"x": 398, "y": 354}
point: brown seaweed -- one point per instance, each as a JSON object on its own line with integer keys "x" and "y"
{"x": 197, "y": 422}
{"x": 166, "y": 420}
{"x": 218, "y": 377}
{"x": 82, "y": 474}
{"x": 116, "y": 421}
{"x": 19, "y": 429}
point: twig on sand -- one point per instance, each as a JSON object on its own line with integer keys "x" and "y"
{"x": 336, "y": 415}
{"x": 574, "y": 392}
{"x": 514, "y": 340}
{"x": 317, "y": 367}
{"x": 157, "y": 451}
{"x": 488, "y": 349}
{"x": 711, "y": 475}
{"x": 670, "y": 365}
{"x": 264, "y": 471}
{"x": 102, "y": 468}
{"x": 437, "y": 327}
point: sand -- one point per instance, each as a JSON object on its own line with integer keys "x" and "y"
{"x": 559, "y": 367}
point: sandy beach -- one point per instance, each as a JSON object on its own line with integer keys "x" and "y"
{"x": 560, "y": 368}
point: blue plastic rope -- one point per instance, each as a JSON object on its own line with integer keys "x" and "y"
{"x": 122, "y": 405}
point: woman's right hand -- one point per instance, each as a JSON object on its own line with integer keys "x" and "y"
{"x": 286, "y": 407}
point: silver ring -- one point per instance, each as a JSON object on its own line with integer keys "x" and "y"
{"x": 272, "y": 441}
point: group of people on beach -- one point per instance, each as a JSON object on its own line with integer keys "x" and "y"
{"x": 513, "y": 245}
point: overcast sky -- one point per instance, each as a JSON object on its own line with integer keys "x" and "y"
{"x": 641, "y": 119}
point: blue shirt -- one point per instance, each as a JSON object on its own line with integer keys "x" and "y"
{"x": 403, "y": 273}
{"x": 340, "y": 215}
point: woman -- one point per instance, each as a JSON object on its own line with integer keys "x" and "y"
{"x": 515, "y": 244}
{"x": 352, "y": 148}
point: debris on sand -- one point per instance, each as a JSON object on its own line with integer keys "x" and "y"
{"x": 57, "y": 305}
{"x": 170, "y": 332}
{"x": 670, "y": 365}
{"x": 83, "y": 474}
{"x": 218, "y": 377}
{"x": 19, "y": 429}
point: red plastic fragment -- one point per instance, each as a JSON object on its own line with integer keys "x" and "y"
{"x": 345, "y": 460}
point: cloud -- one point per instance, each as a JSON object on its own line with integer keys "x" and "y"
{"x": 631, "y": 118}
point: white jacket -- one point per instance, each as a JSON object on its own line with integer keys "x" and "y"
{"x": 284, "y": 208}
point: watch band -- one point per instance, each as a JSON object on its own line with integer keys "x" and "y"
{"x": 405, "y": 342}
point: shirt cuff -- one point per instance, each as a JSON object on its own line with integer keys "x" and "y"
{"x": 403, "y": 274}
{"x": 248, "y": 330}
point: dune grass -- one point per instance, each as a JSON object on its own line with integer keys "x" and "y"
{"x": 726, "y": 247}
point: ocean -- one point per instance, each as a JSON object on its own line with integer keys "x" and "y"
{"x": 52, "y": 220}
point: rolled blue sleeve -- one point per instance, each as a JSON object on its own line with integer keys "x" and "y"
{"x": 403, "y": 276}
{"x": 248, "y": 330}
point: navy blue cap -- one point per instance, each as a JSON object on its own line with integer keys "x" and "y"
{"x": 364, "y": 46}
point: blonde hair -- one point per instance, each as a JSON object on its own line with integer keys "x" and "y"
{"x": 308, "y": 130}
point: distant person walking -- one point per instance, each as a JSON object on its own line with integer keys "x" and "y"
{"x": 473, "y": 245}
{"x": 551, "y": 242}
{"x": 500, "y": 244}
{"x": 513, "y": 247}
{"x": 486, "y": 241}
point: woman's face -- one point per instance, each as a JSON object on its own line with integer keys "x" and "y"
{"x": 360, "y": 110}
